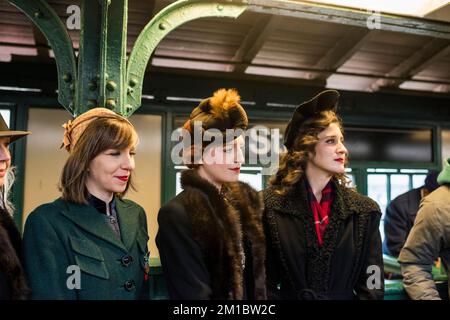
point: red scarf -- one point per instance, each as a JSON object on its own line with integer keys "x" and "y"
{"x": 320, "y": 210}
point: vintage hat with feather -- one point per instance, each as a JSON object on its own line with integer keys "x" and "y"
{"x": 13, "y": 135}
{"x": 222, "y": 111}
{"x": 325, "y": 100}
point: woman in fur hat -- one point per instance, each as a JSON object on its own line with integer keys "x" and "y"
{"x": 323, "y": 237}
{"x": 91, "y": 243}
{"x": 12, "y": 277}
{"x": 210, "y": 238}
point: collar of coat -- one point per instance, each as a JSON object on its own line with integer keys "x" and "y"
{"x": 295, "y": 201}
{"x": 89, "y": 219}
{"x": 224, "y": 222}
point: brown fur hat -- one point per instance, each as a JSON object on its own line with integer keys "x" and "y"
{"x": 222, "y": 111}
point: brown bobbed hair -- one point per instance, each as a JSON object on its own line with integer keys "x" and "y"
{"x": 100, "y": 135}
{"x": 293, "y": 163}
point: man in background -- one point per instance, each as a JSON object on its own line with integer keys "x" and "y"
{"x": 428, "y": 240}
{"x": 401, "y": 213}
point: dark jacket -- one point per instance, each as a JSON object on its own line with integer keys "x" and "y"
{"x": 62, "y": 234}
{"x": 297, "y": 268}
{"x": 205, "y": 238}
{"x": 398, "y": 221}
{"x": 12, "y": 276}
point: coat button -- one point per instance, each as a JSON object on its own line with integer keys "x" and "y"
{"x": 126, "y": 260}
{"x": 129, "y": 285}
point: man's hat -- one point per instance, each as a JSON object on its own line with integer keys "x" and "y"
{"x": 431, "y": 180}
{"x": 325, "y": 100}
{"x": 13, "y": 135}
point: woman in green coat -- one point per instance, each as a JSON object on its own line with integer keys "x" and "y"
{"x": 91, "y": 243}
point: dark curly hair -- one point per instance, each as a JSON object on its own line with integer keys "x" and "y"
{"x": 293, "y": 162}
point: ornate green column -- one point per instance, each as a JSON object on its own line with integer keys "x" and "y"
{"x": 101, "y": 76}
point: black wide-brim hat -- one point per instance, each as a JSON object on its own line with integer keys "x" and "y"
{"x": 13, "y": 135}
{"x": 325, "y": 100}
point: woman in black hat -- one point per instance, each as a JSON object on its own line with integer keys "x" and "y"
{"x": 323, "y": 237}
{"x": 210, "y": 238}
{"x": 12, "y": 277}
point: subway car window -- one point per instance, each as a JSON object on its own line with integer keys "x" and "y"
{"x": 384, "y": 185}
{"x": 445, "y": 142}
{"x": 6, "y": 114}
{"x": 390, "y": 145}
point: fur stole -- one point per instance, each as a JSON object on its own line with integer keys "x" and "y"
{"x": 228, "y": 227}
{"x": 10, "y": 266}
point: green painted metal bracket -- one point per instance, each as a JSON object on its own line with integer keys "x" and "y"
{"x": 164, "y": 22}
{"x": 102, "y": 56}
{"x": 88, "y": 57}
{"x": 116, "y": 58}
{"x": 103, "y": 52}
{"x": 46, "y": 19}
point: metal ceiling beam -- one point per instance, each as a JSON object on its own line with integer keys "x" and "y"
{"x": 343, "y": 50}
{"x": 429, "y": 53}
{"x": 326, "y": 73}
{"x": 425, "y": 64}
{"x": 347, "y": 16}
{"x": 254, "y": 41}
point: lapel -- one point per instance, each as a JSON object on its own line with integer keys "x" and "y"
{"x": 128, "y": 215}
{"x": 295, "y": 201}
{"x": 89, "y": 219}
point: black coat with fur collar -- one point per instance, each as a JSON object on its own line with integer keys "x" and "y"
{"x": 205, "y": 237}
{"x": 12, "y": 279}
{"x": 298, "y": 268}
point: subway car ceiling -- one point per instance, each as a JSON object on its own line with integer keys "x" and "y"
{"x": 303, "y": 45}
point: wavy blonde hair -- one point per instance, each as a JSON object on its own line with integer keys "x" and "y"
{"x": 5, "y": 190}
{"x": 293, "y": 162}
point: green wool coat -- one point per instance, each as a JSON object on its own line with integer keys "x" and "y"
{"x": 61, "y": 236}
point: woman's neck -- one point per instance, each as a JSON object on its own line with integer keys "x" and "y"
{"x": 205, "y": 176}
{"x": 106, "y": 197}
{"x": 318, "y": 180}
